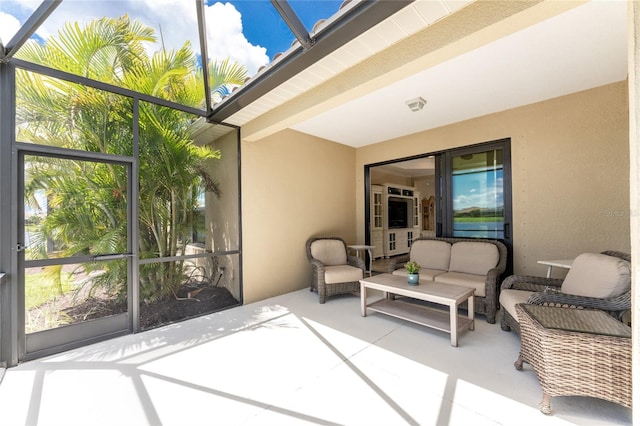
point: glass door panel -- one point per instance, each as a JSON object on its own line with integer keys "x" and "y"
{"x": 377, "y": 210}
{"x": 478, "y": 195}
{"x": 474, "y": 187}
{"x": 188, "y": 212}
{"x": 59, "y": 295}
{"x": 74, "y": 207}
{"x": 76, "y": 251}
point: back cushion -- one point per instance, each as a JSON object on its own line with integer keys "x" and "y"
{"x": 473, "y": 257}
{"x": 431, "y": 254}
{"x": 597, "y": 275}
{"x": 329, "y": 252}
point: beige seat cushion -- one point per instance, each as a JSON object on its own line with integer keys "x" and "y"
{"x": 475, "y": 258}
{"x": 597, "y": 275}
{"x": 341, "y": 274}
{"x": 466, "y": 280}
{"x": 510, "y": 297}
{"x": 425, "y": 273}
{"x": 329, "y": 252}
{"x": 431, "y": 254}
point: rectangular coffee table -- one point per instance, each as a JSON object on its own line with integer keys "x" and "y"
{"x": 443, "y": 294}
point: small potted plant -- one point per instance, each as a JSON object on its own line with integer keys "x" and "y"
{"x": 413, "y": 268}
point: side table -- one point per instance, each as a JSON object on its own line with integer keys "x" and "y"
{"x": 358, "y": 247}
{"x": 576, "y": 352}
{"x": 560, "y": 263}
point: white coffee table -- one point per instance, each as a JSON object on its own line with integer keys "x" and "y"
{"x": 443, "y": 294}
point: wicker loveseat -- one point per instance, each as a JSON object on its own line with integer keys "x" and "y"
{"x": 596, "y": 280}
{"x": 334, "y": 270}
{"x": 475, "y": 263}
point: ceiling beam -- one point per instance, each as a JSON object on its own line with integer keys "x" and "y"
{"x": 293, "y": 22}
{"x": 204, "y": 53}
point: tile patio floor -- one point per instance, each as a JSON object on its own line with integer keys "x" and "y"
{"x": 290, "y": 361}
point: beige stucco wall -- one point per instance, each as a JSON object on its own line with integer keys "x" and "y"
{"x": 222, "y": 212}
{"x": 634, "y": 155}
{"x": 222, "y": 216}
{"x": 570, "y": 170}
{"x": 293, "y": 186}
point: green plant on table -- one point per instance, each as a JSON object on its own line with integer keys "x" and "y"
{"x": 412, "y": 267}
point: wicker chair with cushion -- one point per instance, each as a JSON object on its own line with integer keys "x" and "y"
{"x": 335, "y": 271}
{"x": 595, "y": 280}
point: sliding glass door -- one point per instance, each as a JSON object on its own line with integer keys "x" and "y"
{"x": 475, "y": 192}
{"x": 465, "y": 192}
{"x": 477, "y": 195}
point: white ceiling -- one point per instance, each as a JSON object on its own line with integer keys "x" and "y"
{"x": 580, "y": 49}
{"x": 415, "y": 168}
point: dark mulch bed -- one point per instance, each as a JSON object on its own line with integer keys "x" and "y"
{"x": 209, "y": 299}
{"x": 190, "y": 301}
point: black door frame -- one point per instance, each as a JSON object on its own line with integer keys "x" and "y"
{"x": 46, "y": 342}
{"x": 444, "y": 198}
{"x": 444, "y": 212}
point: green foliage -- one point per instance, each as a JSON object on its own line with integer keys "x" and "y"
{"x": 479, "y": 219}
{"x": 412, "y": 267}
{"x": 478, "y": 212}
{"x": 40, "y": 288}
{"x": 87, "y": 201}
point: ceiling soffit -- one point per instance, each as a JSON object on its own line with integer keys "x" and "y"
{"x": 473, "y": 26}
{"x": 349, "y": 23}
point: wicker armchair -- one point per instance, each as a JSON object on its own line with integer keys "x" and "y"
{"x": 547, "y": 291}
{"x": 334, "y": 270}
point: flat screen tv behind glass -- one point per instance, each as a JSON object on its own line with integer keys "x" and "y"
{"x": 398, "y": 211}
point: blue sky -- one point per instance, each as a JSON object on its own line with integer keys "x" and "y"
{"x": 480, "y": 189}
{"x": 248, "y": 31}
{"x": 263, "y": 26}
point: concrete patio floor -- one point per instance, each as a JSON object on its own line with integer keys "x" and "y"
{"x": 290, "y": 360}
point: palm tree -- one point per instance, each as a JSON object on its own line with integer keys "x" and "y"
{"x": 86, "y": 200}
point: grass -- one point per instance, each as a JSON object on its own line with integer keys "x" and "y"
{"x": 40, "y": 288}
{"x": 479, "y": 219}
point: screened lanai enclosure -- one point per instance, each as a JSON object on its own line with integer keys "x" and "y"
{"x": 125, "y": 201}
{"x": 120, "y": 187}
{"x": 119, "y": 170}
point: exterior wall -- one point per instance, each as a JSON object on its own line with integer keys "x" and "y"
{"x": 570, "y": 171}
{"x": 225, "y": 232}
{"x": 221, "y": 218}
{"x": 293, "y": 186}
{"x": 634, "y": 154}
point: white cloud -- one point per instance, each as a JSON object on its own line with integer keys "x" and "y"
{"x": 174, "y": 22}
{"x": 8, "y": 27}
{"x": 225, "y": 38}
